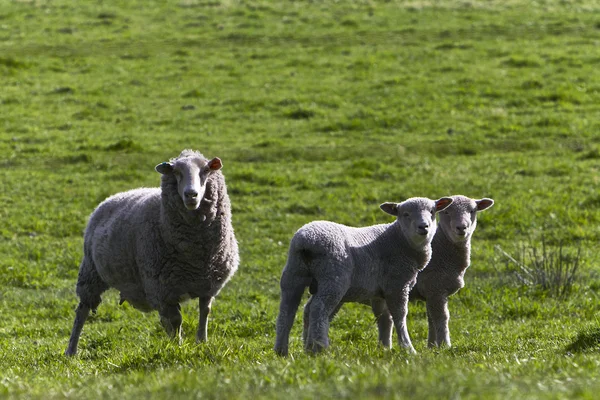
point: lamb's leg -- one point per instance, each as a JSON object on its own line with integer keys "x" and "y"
{"x": 204, "y": 304}
{"x": 324, "y": 306}
{"x": 292, "y": 289}
{"x": 431, "y": 335}
{"x": 397, "y": 302}
{"x": 170, "y": 318}
{"x": 384, "y": 321}
{"x": 437, "y": 312}
{"x": 307, "y": 318}
{"x": 89, "y": 289}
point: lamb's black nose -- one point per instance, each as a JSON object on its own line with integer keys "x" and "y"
{"x": 423, "y": 229}
{"x": 461, "y": 229}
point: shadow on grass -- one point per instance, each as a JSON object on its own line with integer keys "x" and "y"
{"x": 585, "y": 340}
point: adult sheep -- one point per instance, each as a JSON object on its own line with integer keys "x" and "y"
{"x": 375, "y": 265}
{"x": 445, "y": 272}
{"x": 160, "y": 246}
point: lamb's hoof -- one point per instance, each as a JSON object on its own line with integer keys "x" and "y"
{"x": 200, "y": 339}
{"x": 281, "y": 352}
{"x": 315, "y": 348}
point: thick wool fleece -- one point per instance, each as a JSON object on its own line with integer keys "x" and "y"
{"x": 156, "y": 252}
{"x": 444, "y": 274}
{"x": 375, "y": 265}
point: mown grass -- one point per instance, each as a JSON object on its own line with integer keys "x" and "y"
{"x": 319, "y": 110}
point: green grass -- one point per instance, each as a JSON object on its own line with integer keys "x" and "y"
{"x": 319, "y": 110}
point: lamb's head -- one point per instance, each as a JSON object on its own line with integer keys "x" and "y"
{"x": 459, "y": 220}
{"x": 416, "y": 217}
{"x": 190, "y": 172}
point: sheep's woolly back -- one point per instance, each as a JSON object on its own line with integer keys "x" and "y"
{"x": 148, "y": 245}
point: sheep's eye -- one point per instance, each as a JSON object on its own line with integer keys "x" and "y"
{"x": 406, "y": 214}
{"x": 446, "y": 212}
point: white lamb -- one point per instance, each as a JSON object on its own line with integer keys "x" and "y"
{"x": 451, "y": 257}
{"x": 160, "y": 246}
{"x": 375, "y": 265}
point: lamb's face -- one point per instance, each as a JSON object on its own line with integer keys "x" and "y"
{"x": 416, "y": 217}
{"x": 191, "y": 174}
{"x": 459, "y": 220}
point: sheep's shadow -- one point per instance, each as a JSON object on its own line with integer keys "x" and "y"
{"x": 585, "y": 340}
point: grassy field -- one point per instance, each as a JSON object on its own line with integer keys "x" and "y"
{"x": 319, "y": 110}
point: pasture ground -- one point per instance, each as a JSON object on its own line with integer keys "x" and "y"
{"x": 319, "y": 110}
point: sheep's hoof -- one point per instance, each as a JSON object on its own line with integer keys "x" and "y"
{"x": 315, "y": 347}
{"x": 281, "y": 352}
{"x": 70, "y": 353}
{"x": 200, "y": 339}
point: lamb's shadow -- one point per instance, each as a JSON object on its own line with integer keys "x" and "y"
{"x": 585, "y": 340}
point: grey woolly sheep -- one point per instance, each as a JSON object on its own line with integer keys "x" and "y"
{"x": 160, "y": 246}
{"x": 451, "y": 257}
{"x": 375, "y": 265}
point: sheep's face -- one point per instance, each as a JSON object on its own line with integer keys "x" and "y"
{"x": 191, "y": 174}
{"x": 459, "y": 220}
{"x": 416, "y": 217}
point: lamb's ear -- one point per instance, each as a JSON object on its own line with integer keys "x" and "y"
{"x": 442, "y": 204}
{"x": 164, "y": 168}
{"x": 390, "y": 208}
{"x": 484, "y": 204}
{"x": 215, "y": 164}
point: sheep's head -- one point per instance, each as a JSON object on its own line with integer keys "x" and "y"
{"x": 191, "y": 173}
{"x": 459, "y": 220}
{"x": 416, "y": 216}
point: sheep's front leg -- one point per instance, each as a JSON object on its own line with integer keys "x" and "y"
{"x": 438, "y": 316}
{"x": 170, "y": 318}
{"x": 397, "y": 303}
{"x": 432, "y": 334}
{"x": 384, "y": 321}
{"x": 204, "y": 304}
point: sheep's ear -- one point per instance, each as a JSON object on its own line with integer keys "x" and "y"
{"x": 390, "y": 208}
{"x": 442, "y": 204}
{"x": 164, "y": 168}
{"x": 215, "y": 164}
{"x": 484, "y": 204}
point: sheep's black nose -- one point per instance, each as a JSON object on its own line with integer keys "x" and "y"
{"x": 191, "y": 193}
{"x": 462, "y": 229}
{"x": 423, "y": 229}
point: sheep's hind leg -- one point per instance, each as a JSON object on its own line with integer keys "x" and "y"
{"x": 81, "y": 314}
{"x": 306, "y": 318}
{"x": 89, "y": 289}
{"x": 292, "y": 289}
{"x": 170, "y": 318}
{"x": 384, "y": 321}
{"x": 324, "y": 306}
{"x": 204, "y": 304}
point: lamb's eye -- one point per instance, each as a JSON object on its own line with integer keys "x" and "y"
{"x": 406, "y": 214}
